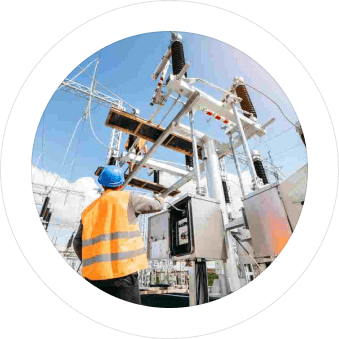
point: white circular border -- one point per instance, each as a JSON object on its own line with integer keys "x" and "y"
{"x": 235, "y": 308}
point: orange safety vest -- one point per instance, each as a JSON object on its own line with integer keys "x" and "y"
{"x": 111, "y": 246}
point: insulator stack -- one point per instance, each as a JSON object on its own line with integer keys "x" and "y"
{"x": 44, "y": 206}
{"x": 112, "y": 161}
{"x": 44, "y": 217}
{"x": 189, "y": 161}
{"x": 178, "y": 57}
{"x": 227, "y": 196}
{"x": 131, "y": 139}
{"x": 156, "y": 177}
{"x": 246, "y": 103}
{"x": 259, "y": 168}
{"x": 300, "y": 132}
{"x": 48, "y": 220}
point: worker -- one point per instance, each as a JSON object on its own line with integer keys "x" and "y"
{"x": 139, "y": 148}
{"x": 109, "y": 242}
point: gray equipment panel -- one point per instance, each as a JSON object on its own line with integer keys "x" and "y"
{"x": 267, "y": 221}
{"x": 158, "y": 242}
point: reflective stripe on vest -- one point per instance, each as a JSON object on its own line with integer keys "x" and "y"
{"x": 111, "y": 247}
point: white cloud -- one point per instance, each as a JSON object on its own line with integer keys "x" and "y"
{"x": 66, "y": 208}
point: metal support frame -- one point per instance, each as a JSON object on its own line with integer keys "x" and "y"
{"x": 246, "y": 148}
{"x": 114, "y": 145}
{"x": 215, "y": 191}
{"x": 156, "y": 165}
{"x": 84, "y": 92}
{"x": 199, "y": 189}
{"x": 188, "y": 106}
{"x": 181, "y": 182}
{"x": 237, "y": 166}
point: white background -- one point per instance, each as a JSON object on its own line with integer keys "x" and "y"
{"x": 210, "y": 21}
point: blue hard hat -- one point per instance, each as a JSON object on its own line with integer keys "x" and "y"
{"x": 111, "y": 176}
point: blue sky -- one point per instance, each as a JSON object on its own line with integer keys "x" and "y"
{"x": 125, "y": 68}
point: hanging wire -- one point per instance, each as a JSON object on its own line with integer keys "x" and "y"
{"x": 107, "y": 89}
{"x": 287, "y": 150}
{"x": 65, "y": 156}
{"x": 36, "y": 167}
{"x": 90, "y": 123}
{"x": 277, "y": 135}
{"x": 76, "y": 151}
{"x": 274, "y": 103}
{"x": 42, "y": 146}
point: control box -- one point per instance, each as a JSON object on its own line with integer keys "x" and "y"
{"x": 190, "y": 228}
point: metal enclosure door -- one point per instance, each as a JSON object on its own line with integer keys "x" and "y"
{"x": 158, "y": 239}
{"x": 267, "y": 221}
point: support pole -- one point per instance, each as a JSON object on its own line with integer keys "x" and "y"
{"x": 237, "y": 165}
{"x": 199, "y": 189}
{"x": 193, "y": 99}
{"x": 215, "y": 190}
{"x": 245, "y": 146}
{"x": 192, "y": 285}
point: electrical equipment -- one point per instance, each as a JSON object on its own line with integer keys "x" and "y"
{"x": 158, "y": 239}
{"x": 246, "y": 102}
{"x": 191, "y": 228}
{"x": 156, "y": 176}
{"x": 44, "y": 206}
{"x": 259, "y": 168}
{"x": 226, "y": 193}
{"x": 267, "y": 221}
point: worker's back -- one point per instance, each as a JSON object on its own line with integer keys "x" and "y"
{"x": 112, "y": 245}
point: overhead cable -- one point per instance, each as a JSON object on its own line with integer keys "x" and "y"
{"x": 287, "y": 150}
{"x": 289, "y": 120}
{"x": 65, "y": 156}
{"x": 107, "y": 89}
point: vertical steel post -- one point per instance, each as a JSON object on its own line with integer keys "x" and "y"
{"x": 192, "y": 284}
{"x": 199, "y": 189}
{"x": 215, "y": 190}
{"x": 245, "y": 146}
{"x": 237, "y": 165}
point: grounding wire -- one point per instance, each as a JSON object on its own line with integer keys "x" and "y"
{"x": 274, "y": 103}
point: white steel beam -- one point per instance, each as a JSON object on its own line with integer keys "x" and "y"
{"x": 208, "y": 103}
{"x": 155, "y": 165}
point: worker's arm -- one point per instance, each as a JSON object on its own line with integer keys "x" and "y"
{"x": 77, "y": 242}
{"x": 143, "y": 205}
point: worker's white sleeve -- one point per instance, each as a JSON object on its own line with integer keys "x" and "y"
{"x": 143, "y": 205}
